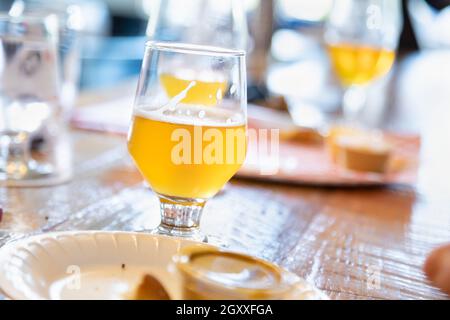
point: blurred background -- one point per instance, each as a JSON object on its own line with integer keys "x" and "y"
{"x": 284, "y": 40}
{"x": 303, "y": 56}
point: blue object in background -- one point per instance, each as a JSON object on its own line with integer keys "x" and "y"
{"x": 107, "y": 61}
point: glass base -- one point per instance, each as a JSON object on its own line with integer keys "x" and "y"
{"x": 180, "y": 217}
{"x": 194, "y": 236}
{"x": 188, "y": 234}
{"x": 30, "y": 171}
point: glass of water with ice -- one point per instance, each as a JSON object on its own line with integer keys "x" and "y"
{"x": 29, "y": 90}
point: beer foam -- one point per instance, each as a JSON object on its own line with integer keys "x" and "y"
{"x": 197, "y": 75}
{"x": 194, "y": 115}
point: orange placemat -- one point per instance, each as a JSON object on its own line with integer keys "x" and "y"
{"x": 311, "y": 164}
{"x": 297, "y": 163}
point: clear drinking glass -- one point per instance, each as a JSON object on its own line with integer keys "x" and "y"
{"x": 361, "y": 38}
{"x": 29, "y": 90}
{"x": 188, "y": 132}
{"x": 69, "y": 47}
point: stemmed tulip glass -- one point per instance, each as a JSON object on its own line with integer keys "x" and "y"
{"x": 188, "y": 132}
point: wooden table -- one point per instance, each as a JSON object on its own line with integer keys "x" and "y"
{"x": 352, "y": 243}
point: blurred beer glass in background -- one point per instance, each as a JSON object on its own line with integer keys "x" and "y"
{"x": 220, "y": 23}
{"x": 29, "y": 90}
{"x": 70, "y": 18}
{"x": 361, "y": 38}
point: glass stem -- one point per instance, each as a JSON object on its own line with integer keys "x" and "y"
{"x": 14, "y": 154}
{"x": 353, "y": 103}
{"x": 180, "y": 218}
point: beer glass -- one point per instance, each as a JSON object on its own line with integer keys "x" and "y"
{"x": 188, "y": 132}
{"x": 361, "y": 38}
{"x": 29, "y": 90}
{"x": 71, "y": 21}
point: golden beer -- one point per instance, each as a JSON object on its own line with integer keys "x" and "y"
{"x": 359, "y": 64}
{"x": 187, "y": 157}
{"x": 206, "y": 92}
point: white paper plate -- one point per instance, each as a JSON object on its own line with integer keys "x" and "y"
{"x": 93, "y": 265}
